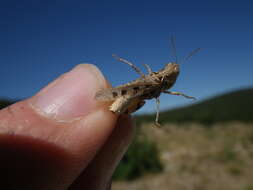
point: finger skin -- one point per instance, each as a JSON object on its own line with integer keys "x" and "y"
{"x": 41, "y": 152}
{"x": 97, "y": 176}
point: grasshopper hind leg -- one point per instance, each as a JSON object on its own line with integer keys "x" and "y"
{"x": 126, "y": 105}
{"x": 134, "y": 106}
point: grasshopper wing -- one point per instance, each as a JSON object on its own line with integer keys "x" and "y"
{"x": 129, "y": 90}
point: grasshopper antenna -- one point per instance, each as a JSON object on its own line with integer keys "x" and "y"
{"x": 191, "y": 54}
{"x": 173, "y": 47}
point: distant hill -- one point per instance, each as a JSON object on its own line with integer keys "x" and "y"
{"x": 5, "y": 102}
{"x": 232, "y": 106}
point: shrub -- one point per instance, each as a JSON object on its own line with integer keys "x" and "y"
{"x": 142, "y": 157}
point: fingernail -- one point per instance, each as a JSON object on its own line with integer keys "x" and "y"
{"x": 70, "y": 96}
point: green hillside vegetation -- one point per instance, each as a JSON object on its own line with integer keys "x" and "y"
{"x": 233, "y": 106}
{"x": 5, "y": 102}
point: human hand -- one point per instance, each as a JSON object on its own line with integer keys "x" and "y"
{"x": 62, "y": 138}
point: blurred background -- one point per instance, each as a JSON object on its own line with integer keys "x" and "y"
{"x": 203, "y": 144}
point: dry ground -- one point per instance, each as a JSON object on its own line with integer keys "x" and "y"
{"x": 219, "y": 157}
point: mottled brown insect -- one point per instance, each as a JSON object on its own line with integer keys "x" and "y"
{"x": 130, "y": 97}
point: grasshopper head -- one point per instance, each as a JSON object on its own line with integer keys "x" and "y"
{"x": 172, "y": 68}
{"x": 169, "y": 74}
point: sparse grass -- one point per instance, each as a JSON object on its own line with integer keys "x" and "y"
{"x": 200, "y": 158}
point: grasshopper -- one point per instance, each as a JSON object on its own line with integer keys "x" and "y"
{"x": 128, "y": 98}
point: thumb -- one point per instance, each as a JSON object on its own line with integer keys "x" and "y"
{"x": 47, "y": 140}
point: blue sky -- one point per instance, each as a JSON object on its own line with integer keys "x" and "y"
{"x": 39, "y": 40}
